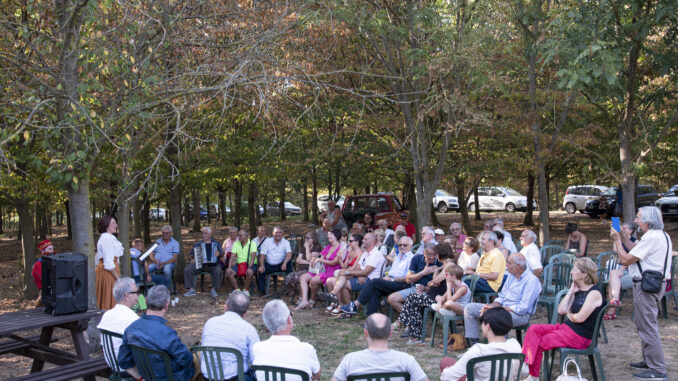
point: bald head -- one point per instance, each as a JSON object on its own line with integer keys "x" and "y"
{"x": 516, "y": 264}
{"x": 378, "y": 326}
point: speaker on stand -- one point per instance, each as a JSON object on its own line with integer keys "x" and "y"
{"x": 64, "y": 283}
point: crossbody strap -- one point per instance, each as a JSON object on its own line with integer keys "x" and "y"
{"x": 666, "y": 258}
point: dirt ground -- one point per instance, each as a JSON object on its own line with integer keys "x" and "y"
{"x": 333, "y": 337}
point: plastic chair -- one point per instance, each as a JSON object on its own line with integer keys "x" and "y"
{"x": 212, "y": 357}
{"x": 592, "y": 351}
{"x": 386, "y": 376}
{"x": 500, "y": 366}
{"x": 674, "y": 284}
{"x": 142, "y": 359}
{"x": 277, "y": 274}
{"x": 446, "y": 319}
{"x": 558, "y": 278}
{"x": 547, "y": 251}
{"x": 519, "y": 329}
{"x": 112, "y": 357}
{"x": 602, "y": 257}
{"x": 274, "y": 373}
{"x": 555, "y": 242}
{"x": 563, "y": 258}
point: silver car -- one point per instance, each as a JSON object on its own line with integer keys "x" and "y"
{"x": 444, "y": 202}
{"x": 499, "y": 198}
{"x": 576, "y": 196}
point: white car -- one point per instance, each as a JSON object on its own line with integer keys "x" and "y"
{"x": 323, "y": 199}
{"x": 157, "y": 214}
{"x": 668, "y": 204}
{"x": 444, "y": 201}
{"x": 576, "y": 196}
{"x": 498, "y": 198}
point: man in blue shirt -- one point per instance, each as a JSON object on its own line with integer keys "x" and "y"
{"x": 518, "y": 296}
{"x": 152, "y": 332}
{"x": 164, "y": 257}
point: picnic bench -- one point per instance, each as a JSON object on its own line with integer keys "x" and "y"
{"x": 38, "y": 348}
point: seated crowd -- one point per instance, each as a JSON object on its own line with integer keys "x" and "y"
{"x": 371, "y": 264}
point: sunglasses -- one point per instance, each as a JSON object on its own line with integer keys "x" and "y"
{"x": 352, "y": 240}
{"x": 403, "y": 245}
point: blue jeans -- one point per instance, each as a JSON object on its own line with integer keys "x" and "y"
{"x": 168, "y": 272}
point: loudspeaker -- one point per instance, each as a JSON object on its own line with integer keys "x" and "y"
{"x": 64, "y": 283}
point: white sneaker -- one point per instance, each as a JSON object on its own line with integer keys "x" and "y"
{"x": 214, "y": 294}
{"x": 190, "y": 292}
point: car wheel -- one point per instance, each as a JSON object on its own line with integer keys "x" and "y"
{"x": 510, "y": 207}
{"x": 472, "y": 207}
{"x": 570, "y": 208}
{"x": 442, "y": 207}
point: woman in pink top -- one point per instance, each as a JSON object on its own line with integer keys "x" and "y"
{"x": 330, "y": 258}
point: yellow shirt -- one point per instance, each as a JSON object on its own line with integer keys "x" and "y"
{"x": 492, "y": 262}
{"x": 240, "y": 251}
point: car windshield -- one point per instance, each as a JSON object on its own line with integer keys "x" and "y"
{"x": 610, "y": 192}
{"x": 672, "y": 193}
{"x": 396, "y": 203}
{"x": 442, "y": 193}
{"x": 512, "y": 192}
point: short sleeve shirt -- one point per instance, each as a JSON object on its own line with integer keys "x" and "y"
{"x": 532, "y": 256}
{"x": 651, "y": 252}
{"x": 375, "y": 259}
{"x": 165, "y": 251}
{"x": 492, "y": 262}
{"x": 288, "y": 352}
{"x": 240, "y": 251}
{"x": 417, "y": 264}
{"x": 275, "y": 251}
{"x": 369, "y": 361}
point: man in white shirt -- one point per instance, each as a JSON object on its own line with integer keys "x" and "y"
{"x": 531, "y": 252}
{"x": 232, "y": 331}
{"x": 508, "y": 240}
{"x": 652, "y": 252}
{"x": 260, "y": 238}
{"x": 378, "y": 358}
{"x": 371, "y": 262}
{"x": 274, "y": 255}
{"x": 116, "y": 320}
{"x": 496, "y": 323}
{"x": 283, "y": 349}
{"x": 395, "y": 281}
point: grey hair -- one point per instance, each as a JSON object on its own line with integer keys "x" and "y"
{"x": 122, "y": 287}
{"x": 632, "y": 226}
{"x": 520, "y": 260}
{"x": 233, "y": 229}
{"x": 238, "y": 302}
{"x": 428, "y": 229}
{"x": 380, "y": 233}
{"x": 652, "y": 216}
{"x": 531, "y": 234}
{"x": 491, "y": 236}
{"x": 157, "y": 298}
{"x": 408, "y": 239}
{"x": 456, "y": 224}
{"x": 499, "y": 221}
{"x": 275, "y": 315}
{"x": 279, "y": 228}
{"x": 206, "y": 229}
{"x": 430, "y": 245}
{"x": 244, "y": 232}
{"x": 167, "y": 227}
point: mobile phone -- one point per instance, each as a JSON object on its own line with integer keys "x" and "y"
{"x": 615, "y": 224}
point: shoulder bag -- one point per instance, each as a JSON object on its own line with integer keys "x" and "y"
{"x": 651, "y": 280}
{"x": 565, "y": 377}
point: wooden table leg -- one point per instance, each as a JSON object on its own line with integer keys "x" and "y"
{"x": 45, "y": 339}
{"x": 81, "y": 347}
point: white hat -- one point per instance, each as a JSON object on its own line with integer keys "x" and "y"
{"x": 439, "y": 232}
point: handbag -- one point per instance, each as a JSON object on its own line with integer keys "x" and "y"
{"x": 242, "y": 267}
{"x": 651, "y": 280}
{"x": 317, "y": 269}
{"x": 565, "y": 377}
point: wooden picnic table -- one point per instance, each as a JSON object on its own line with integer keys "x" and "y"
{"x": 38, "y": 348}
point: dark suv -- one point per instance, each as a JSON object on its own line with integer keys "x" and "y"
{"x": 647, "y": 196}
{"x": 385, "y": 206}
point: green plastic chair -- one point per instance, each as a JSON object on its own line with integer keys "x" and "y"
{"x": 592, "y": 351}
{"x": 274, "y": 373}
{"x": 142, "y": 359}
{"x": 519, "y": 329}
{"x": 386, "y": 376}
{"x": 446, "y": 319}
{"x": 555, "y": 242}
{"x": 602, "y": 258}
{"x": 674, "y": 284}
{"x": 547, "y": 251}
{"x": 501, "y": 366}
{"x": 563, "y": 258}
{"x": 110, "y": 355}
{"x": 557, "y": 278}
{"x": 213, "y": 356}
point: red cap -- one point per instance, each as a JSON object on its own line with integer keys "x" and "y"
{"x": 44, "y": 244}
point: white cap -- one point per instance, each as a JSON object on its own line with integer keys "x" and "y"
{"x": 439, "y": 232}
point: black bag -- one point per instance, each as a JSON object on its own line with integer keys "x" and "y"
{"x": 651, "y": 280}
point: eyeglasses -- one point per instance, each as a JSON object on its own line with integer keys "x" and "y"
{"x": 403, "y": 244}
{"x": 134, "y": 292}
{"x": 352, "y": 240}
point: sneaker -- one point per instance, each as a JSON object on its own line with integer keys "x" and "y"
{"x": 247, "y": 292}
{"x": 640, "y": 365}
{"x": 405, "y": 333}
{"x": 214, "y": 294}
{"x": 349, "y": 309}
{"x": 649, "y": 375}
{"x": 190, "y": 292}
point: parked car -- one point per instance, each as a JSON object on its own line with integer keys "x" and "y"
{"x": 647, "y": 196}
{"x": 244, "y": 206}
{"x": 576, "y": 196}
{"x": 668, "y": 203}
{"x": 157, "y": 214}
{"x": 498, "y": 198}
{"x": 444, "y": 201}
{"x": 323, "y": 199}
{"x": 273, "y": 209}
{"x": 384, "y": 205}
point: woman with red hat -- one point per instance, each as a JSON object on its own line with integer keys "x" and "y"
{"x": 46, "y": 248}
{"x": 107, "y": 265}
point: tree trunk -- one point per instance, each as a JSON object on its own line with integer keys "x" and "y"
{"x": 69, "y": 226}
{"x": 329, "y": 181}
{"x": 207, "y": 206}
{"x": 187, "y": 215}
{"x": 251, "y": 209}
{"x": 463, "y": 210}
{"x": 626, "y": 134}
{"x": 237, "y": 185}
{"x": 195, "y": 198}
{"x": 2, "y": 221}
{"x": 304, "y": 190}
{"x": 175, "y": 222}
{"x": 123, "y": 208}
{"x": 530, "y": 196}
{"x": 337, "y": 176}
{"x": 476, "y": 202}
{"x": 281, "y": 190}
{"x": 146, "y": 217}
{"x": 257, "y": 212}
{"x": 434, "y": 218}
{"x": 28, "y": 246}
{"x": 314, "y": 196}
{"x": 136, "y": 212}
{"x": 222, "y": 206}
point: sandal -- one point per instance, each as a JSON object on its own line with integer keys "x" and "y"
{"x": 303, "y": 306}
{"x": 337, "y": 311}
{"x": 331, "y": 307}
{"x": 615, "y": 302}
{"x": 311, "y": 303}
{"x": 610, "y": 316}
